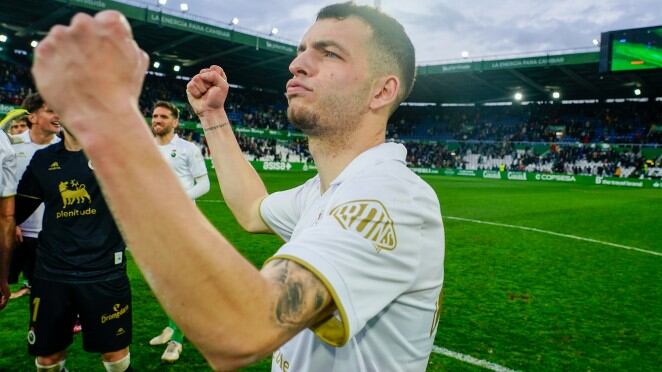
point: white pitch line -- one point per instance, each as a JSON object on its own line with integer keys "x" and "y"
{"x": 556, "y": 234}
{"x": 210, "y": 201}
{"x": 469, "y": 359}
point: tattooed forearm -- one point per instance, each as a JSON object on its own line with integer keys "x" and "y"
{"x": 290, "y": 304}
{"x": 320, "y": 298}
{"x": 302, "y": 299}
{"x": 214, "y": 127}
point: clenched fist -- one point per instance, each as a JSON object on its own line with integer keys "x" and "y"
{"x": 90, "y": 68}
{"x": 207, "y": 90}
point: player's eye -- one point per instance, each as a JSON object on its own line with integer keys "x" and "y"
{"x": 329, "y": 54}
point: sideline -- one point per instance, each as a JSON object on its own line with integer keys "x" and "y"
{"x": 469, "y": 359}
{"x": 555, "y": 234}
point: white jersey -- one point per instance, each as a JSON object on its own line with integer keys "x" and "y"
{"x": 8, "y": 179}
{"x": 375, "y": 239}
{"x": 185, "y": 159}
{"x": 25, "y": 149}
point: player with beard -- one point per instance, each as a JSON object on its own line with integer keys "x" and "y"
{"x": 356, "y": 285}
{"x": 186, "y": 161}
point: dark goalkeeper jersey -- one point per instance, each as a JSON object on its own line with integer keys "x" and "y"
{"x": 79, "y": 241}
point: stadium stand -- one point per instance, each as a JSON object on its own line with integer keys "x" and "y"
{"x": 461, "y": 114}
{"x": 547, "y": 138}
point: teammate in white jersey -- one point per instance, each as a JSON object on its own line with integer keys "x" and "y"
{"x": 18, "y": 125}
{"x": 355, "y": 286}
{"x": 44, "y": 125}
{"x": 185, "y": 159}
{"x": 8, "y": 184}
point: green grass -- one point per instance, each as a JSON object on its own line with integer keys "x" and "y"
{"x": 521, "y": 299}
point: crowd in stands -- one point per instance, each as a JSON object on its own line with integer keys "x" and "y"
{"x": 626, "y": 122}
{"x": 480, "y": 137}
{"x": 589, "y": 160}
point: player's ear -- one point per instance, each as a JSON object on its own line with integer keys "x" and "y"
{"x": 384, "y": 92}
{"x": 32, "y": 117}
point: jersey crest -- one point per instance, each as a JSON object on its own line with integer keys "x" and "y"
{"x": 72, "y": 192}
{"x": 370, "y": 219}
{"x": 54, "y": 166}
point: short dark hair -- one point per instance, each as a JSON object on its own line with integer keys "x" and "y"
{"x": 21, "y": 118}
{"x": 167, "y": 105}
{"x": 33, "y": 102}
{"x": 390, "y": 38}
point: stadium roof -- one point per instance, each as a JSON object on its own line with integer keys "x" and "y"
{"x": 254, "y": 60}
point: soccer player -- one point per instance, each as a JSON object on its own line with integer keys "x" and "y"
{"x": 80, "y": 267}
{"x": 186, "y": 161}
{"x": 8, "y": 183}
{"x": 44, "y": 127}
{"x": 356, "y": 285}
{"x": 18, "y": 125}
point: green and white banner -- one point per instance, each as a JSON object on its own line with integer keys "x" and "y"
{"x": 281, "y": 166}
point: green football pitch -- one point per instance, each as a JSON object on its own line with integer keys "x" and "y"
{"x": 586, "y": 298}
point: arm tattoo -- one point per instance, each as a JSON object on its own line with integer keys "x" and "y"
{"x": 302, "y": 299}
{"x": 217, "y": 126}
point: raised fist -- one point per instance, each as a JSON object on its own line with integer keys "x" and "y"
{"x": 207, "y": 90}
{"x": 91, "y": 67}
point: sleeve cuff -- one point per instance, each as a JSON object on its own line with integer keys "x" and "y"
{"x": 333, "y": 331}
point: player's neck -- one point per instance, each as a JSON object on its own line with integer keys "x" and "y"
{"x": 40, "y": 137}
{"x": 165, "y": 139}
{"x": 333, "y": 155}
{"x": 71, "y": 144}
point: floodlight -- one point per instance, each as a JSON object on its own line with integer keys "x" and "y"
{"x": 235, "y": 21}
{"x": 556, "y": 95}
{"x": 34, "y": 43}
{"x": 162, "y": 2}
{"x": 637, "y": 92}
{"x": 156, "y": 64}
{"x": 595, "y": 42}
{"x": 176, "y": 68}
{"x": 3, "y": 38}
{"x": 183, "y": 7}
{"x": 465, "y": 54}
{"x": 274, "y": 31}
{"x": 518, "y": 96}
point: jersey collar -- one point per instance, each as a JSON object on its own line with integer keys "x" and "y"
{"x": 389, "y": 151}
{"x": 174, "y": 138}
{"x": 25, "y": 136}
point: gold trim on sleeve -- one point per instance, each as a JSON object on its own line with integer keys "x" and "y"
{"x": 333, "y": 331}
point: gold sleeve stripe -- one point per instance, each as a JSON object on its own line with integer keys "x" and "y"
{"x": 333, "y": 331}
{"x": 29, "y": 196}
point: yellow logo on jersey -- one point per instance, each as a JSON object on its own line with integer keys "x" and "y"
{"x": 370, "y": 219}
{"x": 72, "y": 192}
{"x": 54, "y": 166}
